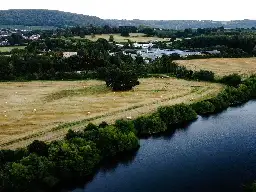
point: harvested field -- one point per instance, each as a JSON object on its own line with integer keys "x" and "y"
{"x": 222, "y": 66}
{"x": 45, "y": 110}
{"x": 134, "y": 37}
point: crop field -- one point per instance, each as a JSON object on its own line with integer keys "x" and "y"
{"x": 134, "y": 37}
{"x": 45, "y": 110}
{"x": 9, "y": 48}
{"x": 222, "y": 66}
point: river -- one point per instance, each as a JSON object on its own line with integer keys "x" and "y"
{"x": 212, "y": 154}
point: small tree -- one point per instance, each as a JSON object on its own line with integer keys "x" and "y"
{"x": 92, "y": 35}
{"x": 111, "y": 38}
{"x": 125, "y": 33}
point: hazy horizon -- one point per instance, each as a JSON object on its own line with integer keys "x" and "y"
{"x": 217, "y": 10}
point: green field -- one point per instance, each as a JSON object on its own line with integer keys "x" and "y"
{"x": 9, "y": 48}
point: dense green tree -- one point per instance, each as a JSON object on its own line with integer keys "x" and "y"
{"x": 176, "y": 114}
{"x": 74, "y": 157}
{"x": 111, "y": 38}
{"x": 203, "y": 75}
{"x": 231, "y": 80}
{"x": 203, "y": 107}
{"x": 38, "y": 147}
{"x": 30, "y": 174}
{"x": 121, "y": 80}
{"x": 149, "y": 125}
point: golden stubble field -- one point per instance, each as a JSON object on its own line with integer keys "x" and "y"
{"x": 134, "y": 37}
{"x": 44, "y": 109}
{"x": 222, "y": 66}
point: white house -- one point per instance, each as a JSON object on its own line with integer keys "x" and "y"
{"x": 143, "y": 46}
{"x": 69, "y": 54}
{"x": 120, "y": 45}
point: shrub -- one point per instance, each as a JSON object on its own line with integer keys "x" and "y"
{"x": 91, "y": 127}
{"x": 125, "y": 126}
{"x": 203, "y": 107}
{"x": 203, "y": 75}
{"x": 112, "y": 141}
{"x": 75, "y": 157}
{"x": 177, "y": 114}
{"x": 29, "y": 174}
{"x": 231, "y": 80}
{"x": 38, "y": 147}
{"x": 220, "y": 102}
{"x": 72, "y": 134}
{"x": 148, "y": 125}
{"x": 103, "y": 124}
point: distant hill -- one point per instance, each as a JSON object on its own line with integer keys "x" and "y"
{"x": 39, "y": 17}
{"x": 184, "y": 24}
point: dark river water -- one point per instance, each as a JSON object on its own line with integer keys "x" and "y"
{"x": 213, "y": 154}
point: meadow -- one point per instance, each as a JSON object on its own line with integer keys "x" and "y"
{"x": 45, "y": 110}
{"x": 9, "y": 48}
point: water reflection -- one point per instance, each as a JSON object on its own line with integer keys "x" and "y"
{"x": 212, "y": 154}
{"x": 109, "y": 166}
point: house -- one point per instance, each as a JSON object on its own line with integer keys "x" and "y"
{"x": 69, "y": 54}
{"x": 143, "y": 46}
{"x": 120, "y": 45}
{"x": 34, "y": 37}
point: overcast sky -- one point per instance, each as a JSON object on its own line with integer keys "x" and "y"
{"x": 145, "y": 9}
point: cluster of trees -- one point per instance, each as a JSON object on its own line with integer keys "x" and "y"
{"x": 235, "y": 45}
{"x": 90, "y": 29}
{"x": 231, "y": 96}
{"x": 185, "y": 24}
{"x": 92, "y": 61}
{"x": 15, "y": 39}
{"x": 165, "y": 64}
{"x": 41, "y": 166}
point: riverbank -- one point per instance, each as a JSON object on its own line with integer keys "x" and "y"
{"x": 213, "y": 153}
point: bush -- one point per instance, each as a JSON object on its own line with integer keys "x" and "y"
{"x": 112, "y": 141}
{"x": 149, "y": 125}
{"x": 38, "y": 147}
{"x": 203, "y": 75}
{"x": 72, "y": 134}
{"x": 91, "y": 127}
{"x": 203, "y": 107}
{"x": 125, "y": 126}
{"x": 103, "y": 124}
{"x": 12, "y": 155}
{"x": 125, "y": 33}
{"x": 231, "y": 80}
{"x": 29, "y": 174}
{"x": 75, "y": 157}
{"x": 177, "y": 114}
{"x": 220, "y": 102}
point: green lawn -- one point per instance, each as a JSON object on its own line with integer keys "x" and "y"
{"x": 9, "y": 48}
